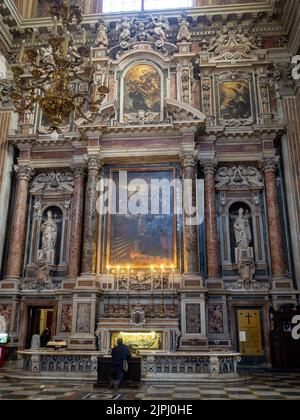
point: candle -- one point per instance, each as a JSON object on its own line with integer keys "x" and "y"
{"x": 128, "y": 278}
{"x": 66, "y": 44}
{"x": 83, "y": 36}
{"x": 21, "y": 53}
{"x": 152, "y": 281}
{"x": 55, "y": 25}
{"x": 108, "y": 269}
{"x": 91, "y": 54}
{"x": 118, "y": 276}
{"x": 34, "y": 35}
{"x": 38, "y": 58}
{"x": 173, "y": 270}
{"x": 162, "y": 277}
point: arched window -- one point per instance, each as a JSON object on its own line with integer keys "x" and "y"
{"x": 113, "y": 6}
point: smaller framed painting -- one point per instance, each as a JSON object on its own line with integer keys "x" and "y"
{"x": 235, "y": 103}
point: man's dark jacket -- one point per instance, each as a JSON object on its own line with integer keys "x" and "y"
{"x": 119, "y": 354}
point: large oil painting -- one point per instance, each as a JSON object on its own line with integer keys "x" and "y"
{"x": 143, "y": 240}
{"x": 142, "y": 90}
{"x": 235, "y": 100}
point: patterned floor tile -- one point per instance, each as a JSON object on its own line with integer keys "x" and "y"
{"x": 258, "y": 386}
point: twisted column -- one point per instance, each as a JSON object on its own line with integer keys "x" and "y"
{"x": 89, "y": 257}
{"x": 18, "y": 227}
{"x": 274, "y": 223}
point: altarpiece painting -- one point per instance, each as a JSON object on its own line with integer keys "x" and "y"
{"x": 143, "y": 240}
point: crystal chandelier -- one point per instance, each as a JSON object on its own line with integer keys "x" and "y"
{"x": 46, "y": 74}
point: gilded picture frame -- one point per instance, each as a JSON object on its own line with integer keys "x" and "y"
{"x": 159, "y": 231}
{"x": 235, "y": 99}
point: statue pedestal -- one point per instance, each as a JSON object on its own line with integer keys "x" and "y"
{"x": 86, "y": 300}
{"x": 46, "y": 256}
{"x": 193, "y": 314}
{"x": 242, "y": 254}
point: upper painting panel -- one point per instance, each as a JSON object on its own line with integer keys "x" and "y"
{"x": 142, "y": 94}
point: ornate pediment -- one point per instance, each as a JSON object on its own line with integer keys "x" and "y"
{"x": 53, "y": 182}
{"x": 239, "y": 177}
{"x": 181, "y": 112}
{"x": 231, "y": 44}
{"x": 107, "y": 111}
{"x": 142, "y": 33}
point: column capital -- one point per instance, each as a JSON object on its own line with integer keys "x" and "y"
{"x": 79, "y": 169}
{"x": 24, "y": 172}
{"x": 189, "y": 159}
{"x": 94, "y": 162}
{"x": 270, "y": 164}
{"x": 209, "y": 166}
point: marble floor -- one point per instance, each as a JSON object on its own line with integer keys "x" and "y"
{"x": 258, "y": 386}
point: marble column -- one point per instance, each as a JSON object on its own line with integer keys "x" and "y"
{"x": 191, "y": 257}
{"x": 18, "y": 227}
{"x": 77, "y": 221}
{"x": 211, "y": 228}
{"x": 90, "y": 237}
{"x": 274, "y": 223}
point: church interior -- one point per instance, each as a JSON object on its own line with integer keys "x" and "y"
{"x": 150, "y": 191}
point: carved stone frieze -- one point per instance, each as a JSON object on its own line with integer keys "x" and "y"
{"x": 185, "y": 72}
{"x": 253, "y": 286}
{"x": 239, "y": 177}
{"x": 53, "y": 182}
{"x": 141, "y": 118}
{"x": 43, "y": 280}
{"x": 5, "y": 94}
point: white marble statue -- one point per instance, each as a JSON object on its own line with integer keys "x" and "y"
{"x": 184, "y": 33}
{"x": 102, "y": 38}
{"x": 125, "y": 27}
{"x": 242, "y": 230}
{"x": 49, "y": 231}
{"x": 160, "y": 24}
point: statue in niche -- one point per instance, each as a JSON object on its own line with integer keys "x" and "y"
{"x": 242, "y": 230}
{"x": 184, "y": 33}
{"x": 49, "y": 238}
{"x": 49, "y": 231}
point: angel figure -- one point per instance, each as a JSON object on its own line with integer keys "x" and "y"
{"x": 125, "y": 26}
{"x": 184, "y": 33}
{"x": 102, "y": 38}
{"x": 161, "y": 24}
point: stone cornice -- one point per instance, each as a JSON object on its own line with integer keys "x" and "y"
{"x": 43, "y": 140}
{"x": 195, "y": 12}
{"x": 269, "y": 131}
{"x": 198, "y": 14}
